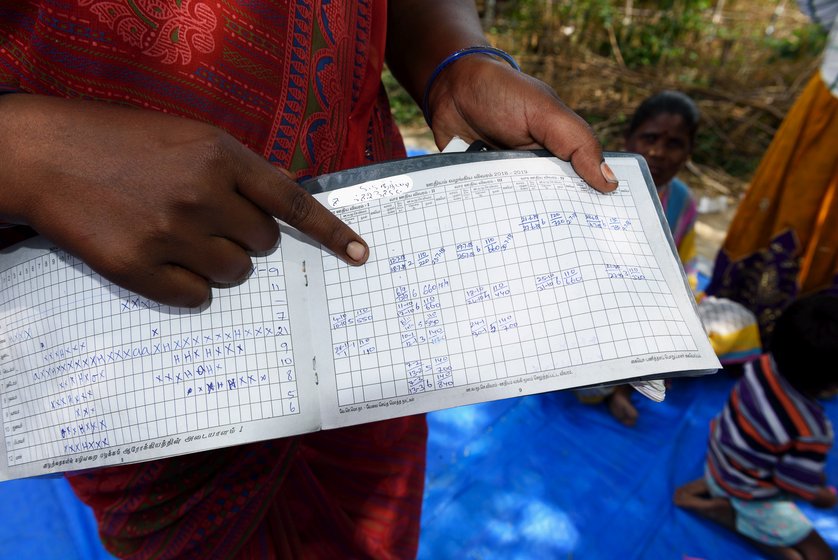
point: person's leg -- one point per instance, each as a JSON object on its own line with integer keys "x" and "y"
{"x": 616, "y": 398}
{"x": 813, "y": 547}
{"x": 695, "y": 496}
{"x": 620, "y": 405}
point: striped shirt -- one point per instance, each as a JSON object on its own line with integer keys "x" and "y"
{"x": 769, "y": 438}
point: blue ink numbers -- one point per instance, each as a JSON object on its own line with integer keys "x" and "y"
{"x": 466, "y": 250}
{"x": 406, "y": 307}
{"x": 572, "y": 276}
{"x": 504, "y": 323}
{"x": 434, "y": 287}
{"x": 594, "y": 221}
{"x": 397, "y": 264}
{"x": 530, "y": 222}
{"x": 430, "y": 303}
{"x": 552, "y": 280}
{"x": 436, "y": 335}
{"x": 544, "y": 281}
{"x": 339, "y": 321}
{"x": 501, "y": 289}
{"x": 443, "y": 372}
{"x": 478, "y": 327}
{"x": 635, "y": 273}
{"x": 347, "y": 319}
{"x": 477, "y": 294}
{"x": 619, "y": 224}
{"x": 562, "y": 218}
{"x": 630, "y": 272}
{"x": 423, "y": 258}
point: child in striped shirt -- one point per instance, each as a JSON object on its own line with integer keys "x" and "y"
{"x": 769, "y": 444}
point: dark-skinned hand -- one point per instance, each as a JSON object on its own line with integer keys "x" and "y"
{"x": 161, "y": 205}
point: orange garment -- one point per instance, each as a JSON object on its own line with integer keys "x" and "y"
{"x": 783, "y": 240}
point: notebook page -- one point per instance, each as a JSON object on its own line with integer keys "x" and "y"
{"x": 499, "y": 278}
{"x": 93, "y": 374}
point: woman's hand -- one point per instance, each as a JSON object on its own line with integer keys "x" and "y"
{"x": 160, "y": 205}
{"x": 480, "y": 97}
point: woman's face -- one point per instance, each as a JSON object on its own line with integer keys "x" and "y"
{"x": 664, "y": 141}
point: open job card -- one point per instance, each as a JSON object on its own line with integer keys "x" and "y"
{"x": 491, "y": 275}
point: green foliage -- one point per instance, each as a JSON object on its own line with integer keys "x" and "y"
{"x": 643, "y": 40}
{"x": 807, "y": 41}
{"x": 652, "y": 41}
{"x": 711, "y": 149}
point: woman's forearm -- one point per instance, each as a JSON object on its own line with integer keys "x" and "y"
{"x": 421, "y": 33}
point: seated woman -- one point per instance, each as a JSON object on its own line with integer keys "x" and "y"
{"x": 662, "y": 130}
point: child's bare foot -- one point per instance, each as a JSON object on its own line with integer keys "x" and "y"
{"x": 695, "y": 496}
{"x": 620, "y": 406}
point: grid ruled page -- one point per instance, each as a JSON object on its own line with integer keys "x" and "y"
{"x": 497, "y": 279}
{"x": 93, "y": 374}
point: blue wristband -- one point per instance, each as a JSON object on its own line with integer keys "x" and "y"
{"x": 456, "y": 55}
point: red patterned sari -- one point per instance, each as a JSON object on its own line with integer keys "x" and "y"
{"x": 298, "y": 82}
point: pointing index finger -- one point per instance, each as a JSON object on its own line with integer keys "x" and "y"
{"x": 301, "y": 210}
{"x": 277, "y": 193}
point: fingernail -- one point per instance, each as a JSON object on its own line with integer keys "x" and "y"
{"x": 607, "y": 173}
{"x": 355, "y": 251}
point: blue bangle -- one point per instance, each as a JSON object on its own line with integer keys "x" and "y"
{"x": 453, "y": 57}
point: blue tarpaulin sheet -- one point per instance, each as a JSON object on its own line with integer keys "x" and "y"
{"x": 43, "y": 520}
{"x": 549, "y": 477}
{"x": 534, "y": 477}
